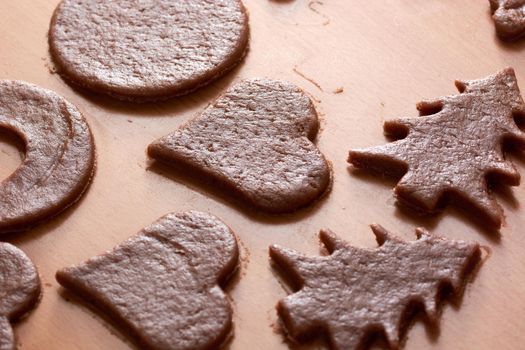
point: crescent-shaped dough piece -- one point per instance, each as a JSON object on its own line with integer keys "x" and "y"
{"x": 20, "y": 290}
{"x": 59, "y": 155}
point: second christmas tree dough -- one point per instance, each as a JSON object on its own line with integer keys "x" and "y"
{"x": 353, "y": 293}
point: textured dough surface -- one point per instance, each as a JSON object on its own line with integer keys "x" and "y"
{"x": 451, "y": 150}
{"x": 19, "y": 290}
{"x": 354, "y": 293}
{"x": 509, "y": 18}
{"x": 59, "y": 155}
{"x": 256, "y": 140}
{"x": 162, "y": 284}
{"x": 147, "y": 49}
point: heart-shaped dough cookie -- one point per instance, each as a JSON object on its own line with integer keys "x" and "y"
{"x": 162, "y": 284}
{"x": 19, "y": 290}
{"x": 59, "y": 155}
{"x": 256, "y": 140}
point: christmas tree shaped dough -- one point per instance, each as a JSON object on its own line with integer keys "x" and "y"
{"x": 355, "y": 292}
{"x": 451, "y": 150}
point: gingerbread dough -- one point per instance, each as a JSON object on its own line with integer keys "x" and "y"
{"x": 19, "y": 290}
{"x": 354, "y": 293}
{"x": 454, "y": 148}
{"x": 509, "y": 18}
{"x": 257, "y": 141}
{"x": 59, "y": 155}
{"x": 147, "y": 50}
{"x": 162, "y": 285}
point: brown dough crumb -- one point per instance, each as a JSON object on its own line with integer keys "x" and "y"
{"x": 59, "y": 155}
{"x": 162, "y": 284}
{"x": 509, "y": 18}
{"x": 451, "y": 150}
{"x": 149, "y": 50}
{"x": 354, "y": 293}
{"x": 20, "y": 290}
{"x": 256, "y": 139}
{"x": 305, "y": 77}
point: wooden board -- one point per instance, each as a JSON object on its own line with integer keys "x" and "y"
{"x": 386, "y": 55}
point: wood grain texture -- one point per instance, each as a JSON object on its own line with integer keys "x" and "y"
{"x": 386, "y": 55}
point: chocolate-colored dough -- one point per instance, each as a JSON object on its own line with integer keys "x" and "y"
{"x": 451, "y": 151}
{"x": 256, "y": 140}
{"x": 162, "y": 285}
{"x": 355, "y": 293}
{"x": 147, "y": 50}
{"x": 19, "y": 290}
{"x": 59, "y": 155}
{"x": 509, "y": 18}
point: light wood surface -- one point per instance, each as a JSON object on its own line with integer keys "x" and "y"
{"x": 386, "y": 55}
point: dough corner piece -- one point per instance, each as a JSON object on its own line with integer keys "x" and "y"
{"x": 150, "y": 51}
{"x": 257, "y": 142}
{"x": 20, "y": 290}
{"x": 454, "y": 150}
{"x": 353, "y": 295}
{"x": 59, "y": 157}
{"x": 162, "y": 285}
{"x": 509, "y": 18}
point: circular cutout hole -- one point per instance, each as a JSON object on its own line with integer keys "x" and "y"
{"x": 12, "y": 152}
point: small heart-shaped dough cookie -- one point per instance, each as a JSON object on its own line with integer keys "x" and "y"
{"x": 256, "y": 140}
{"x": 163, "y": 284}
{"x": 19, "y": 290}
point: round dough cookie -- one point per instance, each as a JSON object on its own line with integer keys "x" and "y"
{"x": 147, "y": 50}
{"x": 59, "y": 155}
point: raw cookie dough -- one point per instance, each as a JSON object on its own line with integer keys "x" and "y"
{"x": 59, "y": 155}
{"x": 450, "y": 151}
{"x": 354, "y": 293}
{"x": 19, "y": 290}
{"x": 147, "y": 50}
{"x": 162, "y": 285}
{"x": 509, "y": 18}
{"x": 257, "y": 141}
